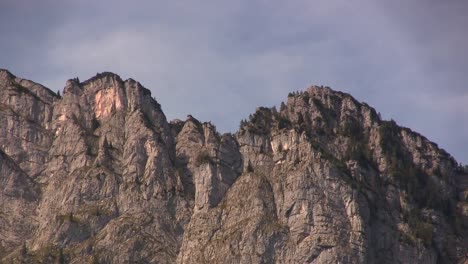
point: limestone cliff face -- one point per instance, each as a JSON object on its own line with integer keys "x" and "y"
{"x": 100, "y": 176}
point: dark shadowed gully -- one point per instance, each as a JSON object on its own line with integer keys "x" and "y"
{"x": 98, "y": 175}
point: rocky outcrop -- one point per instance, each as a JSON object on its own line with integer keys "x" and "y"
{"x": 99, "y": 176}
{"x": 25, "y": 114}
{"x": 210, "y": 162}
{"x": 336, "y": 194}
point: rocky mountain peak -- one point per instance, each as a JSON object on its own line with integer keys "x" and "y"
{"x": 6, "y": 75}
{"x": 104, "y": 77}
{"x": 72, "y": 86}
{"x": 100, "y": 176}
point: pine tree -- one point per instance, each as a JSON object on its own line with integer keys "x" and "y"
{"x": 282, "y": 107}
{"x": 243, "y": 122}
{"x": 300, "y": 119}
{"x": 274, "y": 111}
{"x": 61, "y": 257}
{"x": 24, "y": 249}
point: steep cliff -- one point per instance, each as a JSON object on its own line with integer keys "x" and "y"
{"x": 100, "y": 176}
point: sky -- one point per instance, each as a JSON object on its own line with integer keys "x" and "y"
{"x": 220, "y": 60}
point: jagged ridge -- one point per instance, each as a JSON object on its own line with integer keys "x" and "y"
{"x": 323, "y": 179}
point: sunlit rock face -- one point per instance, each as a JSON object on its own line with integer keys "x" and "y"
{"x": 99, "y": 175}
{"x": 107, "y": 102}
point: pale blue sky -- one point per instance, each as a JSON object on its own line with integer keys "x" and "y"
{"x": 219, "y": 60}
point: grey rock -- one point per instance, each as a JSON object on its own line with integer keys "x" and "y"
{"x": 100, "y": 176}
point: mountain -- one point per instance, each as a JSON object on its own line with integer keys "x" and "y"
{"x": 99, "y": 175}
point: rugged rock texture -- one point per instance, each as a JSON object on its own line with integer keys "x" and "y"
{"x": 100, "y": 176}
